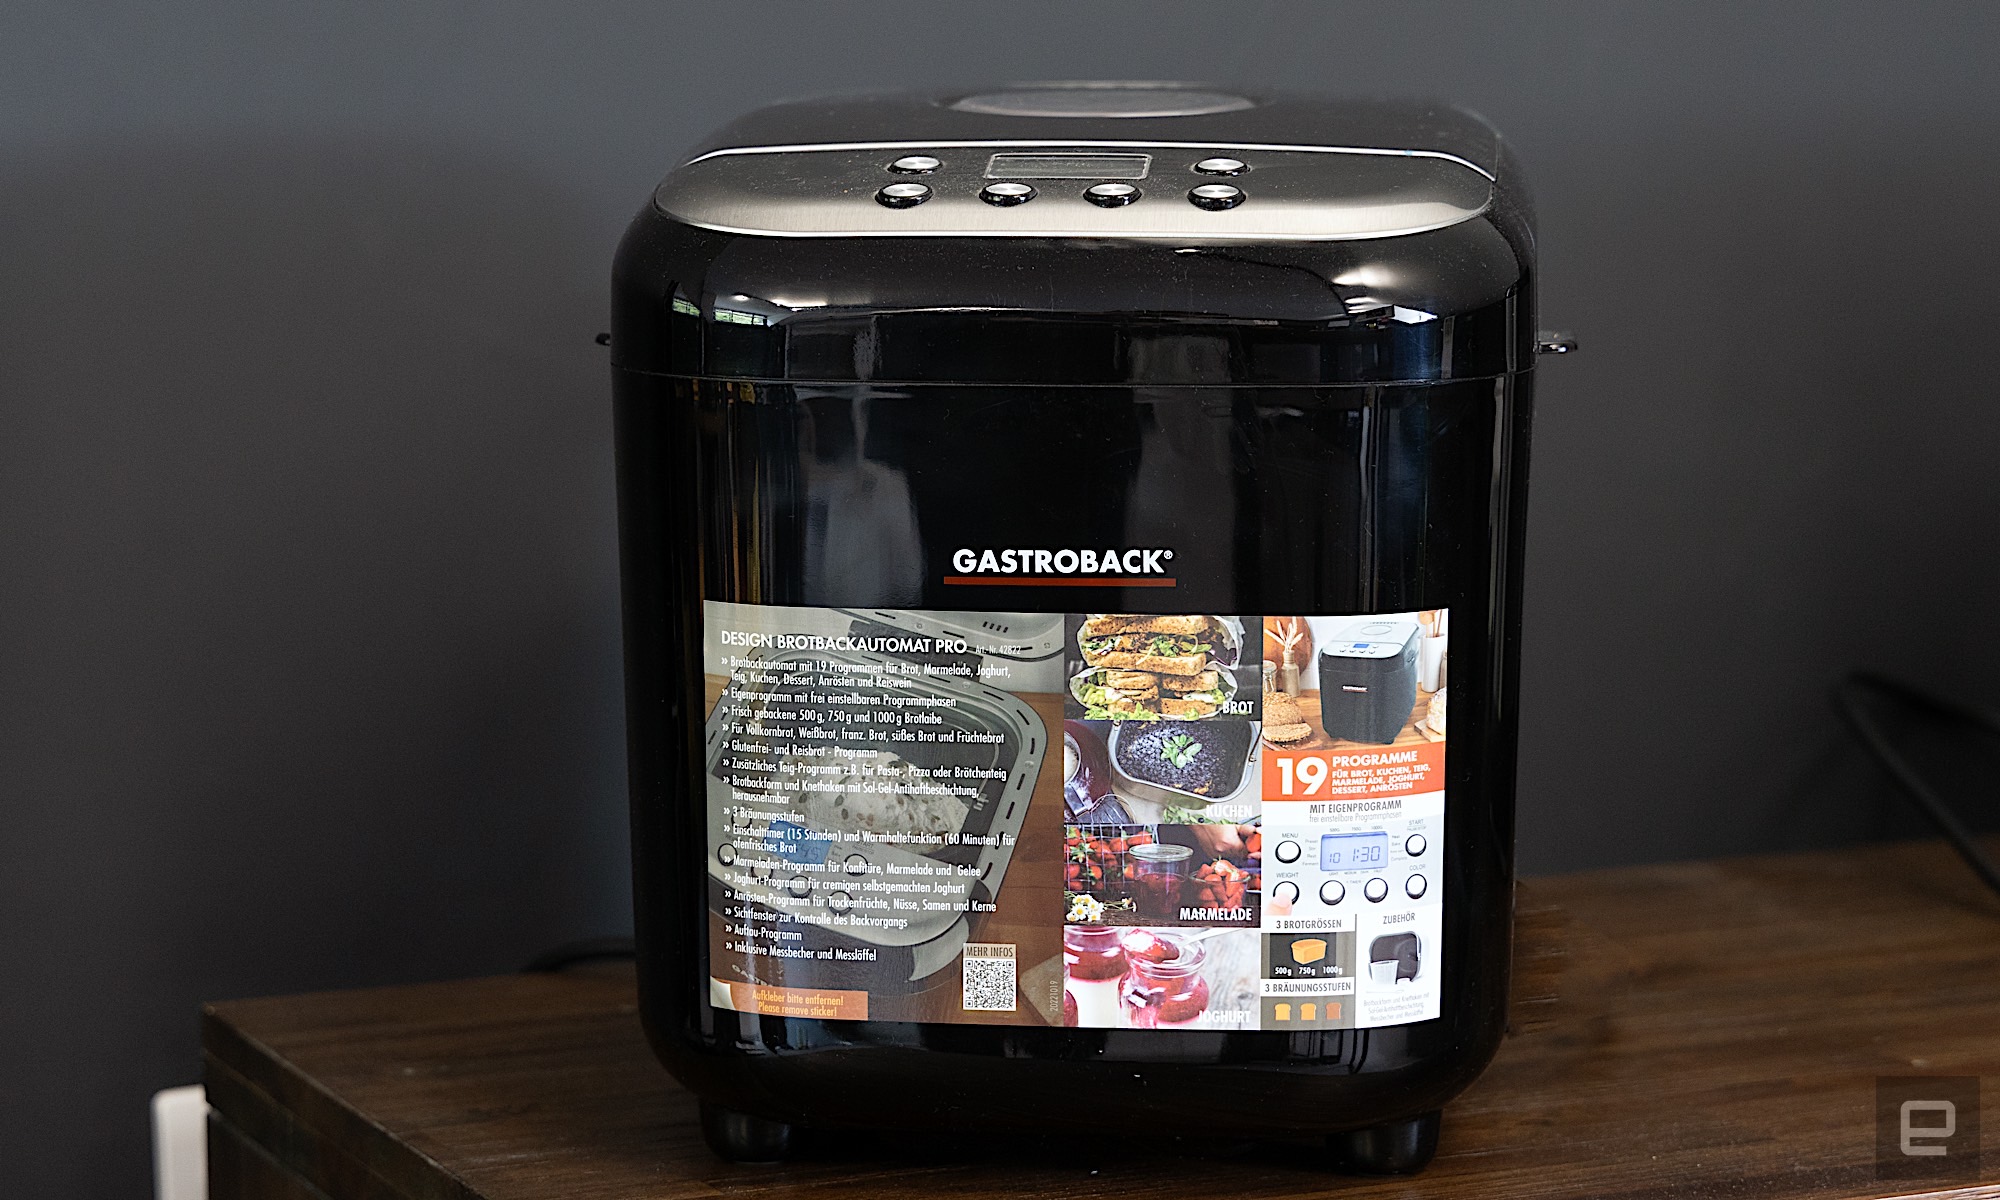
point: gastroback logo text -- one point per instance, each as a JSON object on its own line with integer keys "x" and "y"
{"x": 1137, "y": 567}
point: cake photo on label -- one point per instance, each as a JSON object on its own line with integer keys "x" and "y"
{"x": 1197, "y": 761}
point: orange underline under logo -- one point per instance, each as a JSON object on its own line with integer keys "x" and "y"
{"x": 1060, "y": 581}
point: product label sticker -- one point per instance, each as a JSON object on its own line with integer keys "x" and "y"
{"x": 1104, "y": 820}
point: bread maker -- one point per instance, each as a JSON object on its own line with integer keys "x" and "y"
{"x": 1368, "y": 681}
{"x": 922, "y": 401}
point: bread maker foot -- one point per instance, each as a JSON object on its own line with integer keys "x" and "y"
{"x": 739, "y": 1137}
{"x": 1397, "y": 1148}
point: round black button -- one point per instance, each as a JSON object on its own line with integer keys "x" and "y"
{"x": 903, "y": 195}
{"x": 1216, "y": 196}
{"x": 1220, "y": 166}
{"x": 1111, "y": 195}
{"x": 915, "y": 164}
{"x": 1006, "y": 195}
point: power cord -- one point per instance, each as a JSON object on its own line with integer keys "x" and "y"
{"x": 1848, "y": 701}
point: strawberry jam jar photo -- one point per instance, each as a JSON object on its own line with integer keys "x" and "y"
{"x": 1163, "y": 986}
{"x": 1157, "y": 872}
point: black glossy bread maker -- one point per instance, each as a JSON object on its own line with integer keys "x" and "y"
{"x": 859, "y": 341}
{"x": 1368, "y": 681}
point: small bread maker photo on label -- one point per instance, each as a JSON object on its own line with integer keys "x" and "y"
{"x": 1041, "y": 513}
{"x": 1368, "y": 681}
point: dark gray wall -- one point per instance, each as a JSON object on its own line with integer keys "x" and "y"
{"x": 307, "y": 626}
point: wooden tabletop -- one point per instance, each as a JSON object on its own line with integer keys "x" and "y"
{"x": 1696, "y": 1029}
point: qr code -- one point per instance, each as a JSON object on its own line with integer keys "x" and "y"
{"x": 989, "y": 977}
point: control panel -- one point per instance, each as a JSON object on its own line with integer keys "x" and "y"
{"x": 1317, "y": 876}
{"x": 1075, "y": 189}
{"x": 1353, "y": 913}
{"x": 1112, "y": 174}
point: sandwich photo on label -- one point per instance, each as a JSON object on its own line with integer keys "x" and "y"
{"x": 1136, "y": 666}
{"x": 1180, "y": 646}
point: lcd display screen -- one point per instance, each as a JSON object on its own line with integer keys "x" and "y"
{"x": 1068, "y": 166}
{"x": 1353, "y": 851}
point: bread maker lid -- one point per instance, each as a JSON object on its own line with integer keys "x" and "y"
{"x": 1084, "y": 233}
{"x": 1371, "y": 639}
{"x": 1183, "y": 162}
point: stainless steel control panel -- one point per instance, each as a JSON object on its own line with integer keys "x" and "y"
{"x": 1075, "y": 189}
